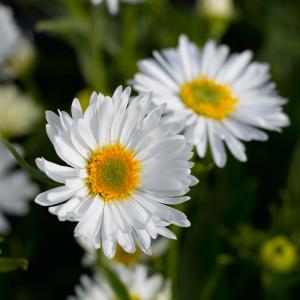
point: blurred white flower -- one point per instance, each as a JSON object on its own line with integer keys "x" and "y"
{"x": 16, "y": 52}
{"x": 16, "y": 190}
{"x": 18, "y": 113}
{"x": 217, "y": 8}
{"x": 113, "y": 5}
{"x": 140, "y": 286}
{"x": 220, "y": 98}
{"x": 125, "y": 169}
{"x": 166, "y": 292}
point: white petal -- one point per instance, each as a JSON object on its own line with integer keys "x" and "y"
{"x": 216, "y": 145}
{"x": 68, "y": 154}
{"x": 105, "y": 118}
{"x": 185, "y": 56}
{"x": 200, "y": 136}
{"x": 90, "y": 224}
{"x": 56, "y": 172}
{"x": 54, "y": 196}
{"x": 76, "y": 109}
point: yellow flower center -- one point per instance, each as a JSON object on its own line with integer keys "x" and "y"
{"x": 113, "y": 172}
{"x": 208, "y": 98}
{"x": 126, "y": 258}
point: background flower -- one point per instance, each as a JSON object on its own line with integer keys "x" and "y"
{"x": 113, "y": 5}
{"x": 221, "y": 99}
{"x": 16, "y": 190}
{"x": 217, "y": 8}
{"x": 18, "y": 112}
{"x": 279, "y": 254}
{"x": 16, "y": 52}
{"x": 140, "y": 285}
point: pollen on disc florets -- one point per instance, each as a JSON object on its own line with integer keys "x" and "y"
{"x": 208, "y": 98}
{"x": 113, "y": 172}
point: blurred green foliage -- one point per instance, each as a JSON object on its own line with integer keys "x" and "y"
{"x": 8, "y": 264}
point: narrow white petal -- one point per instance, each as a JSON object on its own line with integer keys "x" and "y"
{"x": 216, "y": 145}
{"x": 54, "y": 196}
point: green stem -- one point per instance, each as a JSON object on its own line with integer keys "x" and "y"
{"x": 128, "y": 56}
{"x": 173, "y": 259}
{"x": 33, "y": 172}
{"x": 173, "y": 265}
{"x": 112, "y": 278}
{"x": 212, "y": 283}
{"x": 98, "y": 73}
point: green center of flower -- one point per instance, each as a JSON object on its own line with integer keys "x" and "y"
{"x": 113, "y": 172}
{"x": 208, "y": 98}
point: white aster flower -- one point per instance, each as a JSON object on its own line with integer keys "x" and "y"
{"x": 140, "y": 286}
{"x": 125, "y": 167}
{"x": 15, "y": 189}
{"x": 113, "y": 5}
{"x": 16, "y": 52}
{"x": 18, "y": 113}
{"x": 221, "y": 98}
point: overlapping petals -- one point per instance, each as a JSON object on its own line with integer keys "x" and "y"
{"x": 165, "y": 171}
{"x": 258, "y": 106}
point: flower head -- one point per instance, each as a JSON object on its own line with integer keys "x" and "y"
{"x": 16, "y": 189}
{"x": 279, "y": 254}
{"x": 18, "y": 113}
{"x": 125, "y": 167}
{"x": 140, "y": 286}
{"x": 221, "y": 98}
{"x": 113, "y": 5}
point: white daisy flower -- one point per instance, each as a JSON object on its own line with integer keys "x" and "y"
{"x": 221, "y": 98}
{"x": 16, "y": 52}
{"x": 16, "y": 190}
{"x": 113, "y": 5}
{"x": 140, "y": 286}
{"x": 125, "y": 167}
{"x": 18, "y": 112}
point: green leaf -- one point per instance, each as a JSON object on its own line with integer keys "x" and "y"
{"x": 8, "y": 264}
{"x": 33, "y": 172}
{"x": 64, "y": 26}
